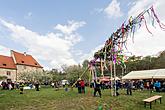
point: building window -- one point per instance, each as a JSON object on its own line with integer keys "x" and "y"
{"x": 35, "y": 63}
{"x": 22, "y": 61}
{"x": 4, "y": 64}
{"x": 8, "y": 73}
{"x": 24, "y": 67}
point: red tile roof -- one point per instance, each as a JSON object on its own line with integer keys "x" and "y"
{"x": 7, "y": 62}
{"x": 25, "y": 59}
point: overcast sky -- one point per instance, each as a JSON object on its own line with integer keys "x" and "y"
{"x": 58, "y": 32}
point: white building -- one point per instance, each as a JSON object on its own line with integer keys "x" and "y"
{"x": 18, "y": 63}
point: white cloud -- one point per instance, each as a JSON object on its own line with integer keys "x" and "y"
{"x": 4, "y": 50}
{"x": 145, "y": 43}
{"x": 89, "y": 56}
{"x": 70, "y": 28}
{"x": 113, "y": 9}
{"x": 52, "y": 48}
{"x": 139, "y": 6}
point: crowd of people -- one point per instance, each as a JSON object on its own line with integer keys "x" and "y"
{"x": 55, "y": 84}
{"x": 129, "y": 85}
{"x": 9, "y": 85}
{"x": 97, "y": 85}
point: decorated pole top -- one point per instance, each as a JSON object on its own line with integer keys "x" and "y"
{"x": 113, "y": 49}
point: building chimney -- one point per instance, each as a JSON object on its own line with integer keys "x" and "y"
{"x": 25, "y": 53}
{"x": 11, "y": 52}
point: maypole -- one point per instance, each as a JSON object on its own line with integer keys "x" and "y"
{"x": 114, "y": 47}
{"x": 111, "y": 70}
{"x": 101, "y": 67}
{"x": 122, "y": 74}
{"x": 114, "y": 69}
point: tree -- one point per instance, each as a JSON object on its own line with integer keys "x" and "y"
{"x": 73, "y": 72}
{"x": 86, "y": 76}
{"x": 35, "y": 76}
{"x": 160, "y": 60}
{"x": 85, "y": 64}
{"x": 56, "y": 75}
{"x": 3, "y": 77}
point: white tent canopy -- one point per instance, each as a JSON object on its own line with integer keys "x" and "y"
{"x": 146, "y": 74}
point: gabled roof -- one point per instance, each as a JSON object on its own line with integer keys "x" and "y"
{"x": 7, "y": 62}
{"x": 25, "y": 59}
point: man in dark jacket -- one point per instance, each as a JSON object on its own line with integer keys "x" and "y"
{"x": 79, "y": 86}
{"x": 97, "y": 86}
{"x": 37, "y": 86}
{"x": 129, "y": 87}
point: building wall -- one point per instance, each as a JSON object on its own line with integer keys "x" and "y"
{"x": 12, "y": 75}
{"x": 26, "y": 69}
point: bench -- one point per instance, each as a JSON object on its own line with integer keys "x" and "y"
{"x": 151, "y": 99}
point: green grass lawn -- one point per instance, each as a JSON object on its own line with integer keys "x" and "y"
{"x": 49, "y": 99}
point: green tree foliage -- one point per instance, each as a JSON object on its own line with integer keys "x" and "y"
{"x": 73, "y": 72}
{"x": 35, "y": 76}
{"x": 160, "y": 61}
{"x": 3, "y": 77}
{"x": 135, "y": 63}
{"x": 85, "y": 65}
{"x": 56, "y": 75}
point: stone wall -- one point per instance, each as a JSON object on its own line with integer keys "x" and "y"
{"x": 10, "y": 73}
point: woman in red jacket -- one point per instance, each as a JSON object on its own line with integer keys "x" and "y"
{"x": 82, "y": 83}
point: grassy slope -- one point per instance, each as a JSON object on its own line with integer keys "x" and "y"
{"x": 49, "y": 99}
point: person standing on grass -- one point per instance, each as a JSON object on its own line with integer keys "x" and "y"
{"x": 97, "y": 88}
{"x": 82, "y": 84}
{"x": 17, "y": 85}
{"x": 157, "y": 86}
{"x": 117, "y": 87}
{"x": 52, "y": 84}
{"x": 10, "y": 86}
{"x": 3, "y": 85}
{"x": 56, "y": 85}
{"x": 21, "y": 87}
{"x": 129, "y": 88}
{"x": 151, "y": 86}
{"x": 141, "y": 86}
{"x": 79, "y": 85}
{"x": 66, "y": 87}
{"x": 37, "y": 86}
